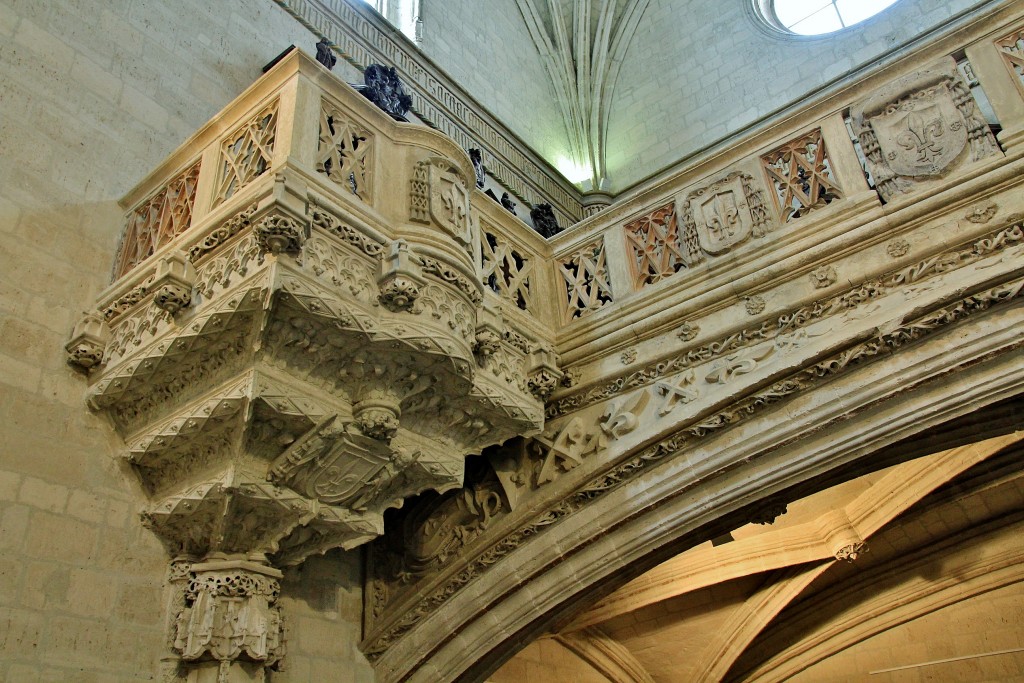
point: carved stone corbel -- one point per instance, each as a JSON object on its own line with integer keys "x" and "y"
{"x": 544, "y": 375}
{"x": 88, "y": 341}
{"x": 487, "y": 339}
{"x": 401, "y": 278}
{"x": 172, "y": 286}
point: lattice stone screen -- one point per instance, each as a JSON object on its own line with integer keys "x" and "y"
{"x": 800, "y": 172}
{"x": 506, "y": 269}
{"x": 585, "y": 275}
{"x": 655, "y": 246}
{"x": 246, "y": 154}
{"x": 157, "y": 221}
{"x": 344, "y": 151}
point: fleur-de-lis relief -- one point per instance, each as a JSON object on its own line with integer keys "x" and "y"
{"x": 921, "y": 136}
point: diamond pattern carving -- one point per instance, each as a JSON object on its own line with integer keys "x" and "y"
{"x": 344, "y": 151}
{"x": 586, "y": 280}
{"x": 801, "y": 174}
{"x": 506, "y": 270}
{"x": 655, "y": 246}
{"x": 246, "y": 153}
{"x": 157, "y": 221}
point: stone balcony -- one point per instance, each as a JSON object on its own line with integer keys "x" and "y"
{"x": 316, "y": 316}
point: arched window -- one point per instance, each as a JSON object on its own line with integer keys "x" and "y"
{"x": 815, "y": 17}
{"x": 404, "y": 14}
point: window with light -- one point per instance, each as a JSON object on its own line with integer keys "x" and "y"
{"x": 817, "y": 17}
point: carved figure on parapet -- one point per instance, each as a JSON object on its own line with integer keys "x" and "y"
{"x": 507, "y": 202}
{"x": 325, "y": 55}
{"x": 479, "y": 170}
{"x": 544, "y": 220}
{"x": 383, "y": 88}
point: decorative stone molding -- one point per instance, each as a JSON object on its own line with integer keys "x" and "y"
{"x": 919, "y": 128}
{"x": 897, "y": 248}
{"x": 88, "y": 341}
{"x": 754, "y": 304}
{"x": 656, "y": 246}
{"x": 850, "y": 552}
{"x": 982, "y": 214}
{"x": 688, "y": 332}
{"x": 585, "y": 275}
{"x": 628, "y": 357}
{"x": 948, "y": 261}
{"x": 246, "y": 154}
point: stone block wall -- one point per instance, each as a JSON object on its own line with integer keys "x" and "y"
{"x": 486, "y": 47}
{"x": 92, "y": 96}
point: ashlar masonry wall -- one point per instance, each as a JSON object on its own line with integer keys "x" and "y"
{"x": 92, "y": 96}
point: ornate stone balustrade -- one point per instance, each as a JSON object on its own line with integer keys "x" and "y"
{"x": 316, "y": 316}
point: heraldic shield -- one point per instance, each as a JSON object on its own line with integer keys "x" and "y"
{"x": 922, "y": 134}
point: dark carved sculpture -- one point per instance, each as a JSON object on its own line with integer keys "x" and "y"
{"x": 544, "y": 220}
{"x": 507, "y": 202}
{"x": 478, "y": 166}
{"x": 383, "y": 88}
{"x": 325, "y": 55}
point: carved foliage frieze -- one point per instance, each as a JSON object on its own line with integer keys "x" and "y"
{"x": 921, "y": 127}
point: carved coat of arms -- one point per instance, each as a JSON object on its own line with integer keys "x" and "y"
{"x": 439, "y": 194}
{"x": 334, "y": 465}
{"x": 725, "y": 213}
{"x": 919, "y": 128}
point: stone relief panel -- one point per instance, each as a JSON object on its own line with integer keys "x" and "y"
{"x": 800, "y": 172}
{"x": 439, "y": 194}
{"x": 345, "y": 151}
{"x": 157, "y": 221}
{"x": 506, "y": 269}
{"x": 655, "y": 246}
{"x": 1012, "y": 49}
{"x": 585, "y": 276}
{"x": 923, "y": 126}
{"x": 246, "y": 153}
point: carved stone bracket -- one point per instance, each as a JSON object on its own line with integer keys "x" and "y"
{"x": 544, "y": 375}
{"x": 172, "y": 286}
{"x": 88, "y": 341}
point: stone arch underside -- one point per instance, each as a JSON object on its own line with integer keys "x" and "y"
{"x": 690, "y": 496}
